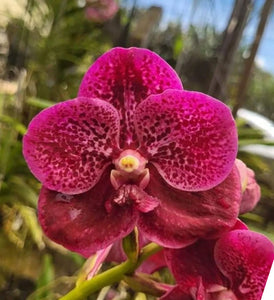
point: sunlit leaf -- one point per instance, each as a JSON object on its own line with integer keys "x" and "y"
{"x": 13, "y": 225}
{"x": 39, "y": 103}
{"x": 20, "y": 128}
{"x": 178, "y": 46}
{"x": 46, "y": 277}
{"x": 24, "y": 192}
{"x": 30, "y": 219}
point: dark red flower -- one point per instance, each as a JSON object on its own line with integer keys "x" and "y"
{"x": 134, "y": 149}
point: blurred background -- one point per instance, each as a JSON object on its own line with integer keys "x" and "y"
{"x": 221, "y": 47}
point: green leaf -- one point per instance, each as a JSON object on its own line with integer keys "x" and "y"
{"x": 30, "y": 219}
{"x": 140, "y": 296}
{"x": 39, "y": 103}
{"x": 131, "y": 245}
{"x": 178, "y": 46}
{"x": 255, "y": 142}
{"x": 46, "y": 276}
{"x": 20, "y": 128}
{"x": 253, "y": 217}
{"x": 23, "y": 190}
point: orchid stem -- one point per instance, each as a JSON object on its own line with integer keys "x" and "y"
{"x": 110, "y": 276}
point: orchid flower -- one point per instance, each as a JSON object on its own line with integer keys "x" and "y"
{"x": 134, "y": 149}
{"x": 233, "y": 267}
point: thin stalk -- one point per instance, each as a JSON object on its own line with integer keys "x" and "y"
{"x": 110, "y": 276}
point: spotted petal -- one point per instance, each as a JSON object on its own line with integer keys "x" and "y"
{"x": 80, "y": 222}
{"x": 68, "y": 145}
{"x": 245, "y": 257}
{"x": 125, "y": 77}
{"x": 190, "y": 137}
{"x": 190, "y": 264}
{"x": 196, "y": 262}
{"x": 183, "y": 217}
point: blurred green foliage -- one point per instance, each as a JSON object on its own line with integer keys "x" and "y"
{"x": 50, "y": 48}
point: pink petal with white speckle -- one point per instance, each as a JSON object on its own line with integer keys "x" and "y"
{"x": 190, "y": 137}
{"x": 124, "y": 78}
{"x": 245, "y": 257}
{"x": 80, "y": 222}
{"x": 183, "y": 217}
{"x": 68, "y": 145}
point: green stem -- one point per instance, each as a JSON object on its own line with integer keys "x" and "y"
{"x": 147, "y": 251}
{"x": 110, "y": 276}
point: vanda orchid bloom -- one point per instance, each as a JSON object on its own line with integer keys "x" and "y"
{"x": 234, "y": 267}
{"x": 134, "y": 149}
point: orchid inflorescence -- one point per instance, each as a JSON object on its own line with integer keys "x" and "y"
{"x": 136, "y": 150}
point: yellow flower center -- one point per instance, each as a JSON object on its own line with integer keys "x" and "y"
{"x": 129, "y": 163}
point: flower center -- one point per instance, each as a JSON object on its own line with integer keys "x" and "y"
{"x": 130, "y": 169}
{"x": 129, "y": 163}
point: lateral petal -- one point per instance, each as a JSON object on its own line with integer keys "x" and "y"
{"x": 190, "y": 137}
{"x": 69, "y": 145}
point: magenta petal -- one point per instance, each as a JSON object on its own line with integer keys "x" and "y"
{"x": 190, "y": 264}
{"x": 116, "y": 253}
{"x": 245, "y": 257}
{"x": 239, "y": 225}
{"x": 178, "y": 293}
{"x": 144, "y": 202}
{"x": 190, "y": 137}
{"x": 125, "y": 77}
{"x": 97, "y": 260}
{"x": 153, "y": 263}
{"x": 183, "y": 217}
{"x": 80, "y": 222}
{"x": 68, "y": 145}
